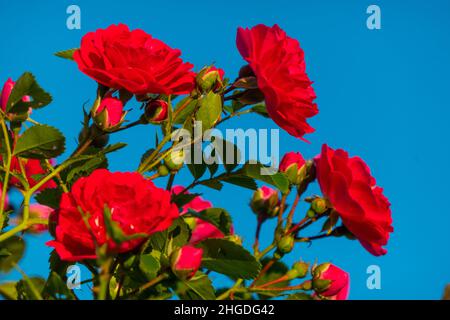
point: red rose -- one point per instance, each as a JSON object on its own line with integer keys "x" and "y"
{"x": 339, "y": 285}
{"x": 33, "y": 171}
{"x": 122, "y": 59}
{"x": 278, "y": 63}
{"x": 353, "y": 193}
{"x": 136, "y": 205}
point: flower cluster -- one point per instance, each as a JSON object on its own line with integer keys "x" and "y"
{"x": 144, "y": 241}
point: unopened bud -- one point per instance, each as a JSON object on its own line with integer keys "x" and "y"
{"x": 286, "y": 244}
{"x": 156, "y": 111}
{"x": 186, "y": 261}
{"x": 163, "y": 170}
{"x": 265, "y": 202}
{"x": 174, "y": 161}
{"x": 319, "y": 205}
{"x": 209, "y": 78}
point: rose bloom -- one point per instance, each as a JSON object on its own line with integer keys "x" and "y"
{"x": 34, "y": 172}
{"x": 109, "y": 113}
{"x": 136, "y": 205}
{"x": 279, "y": 66}
{"x": 202, "y": 229}
{"x": 122, "y": 59}
{"x": 352, "y": 191}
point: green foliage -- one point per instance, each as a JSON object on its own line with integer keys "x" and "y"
{"x": 149, "y": 265}
{"x": 56, "y": 288}
{"x": 277, "y": 270}
{"x": 66, "y": 54}
{"x": 278, "y": 180}
{"x": 218, "y": 217}
{"x": 11, "y": 251}
{"x": 229, "y": 258}
{"x": 198, "y": 288}
{"x": 8, "y": 290}
{"x": 209, "y": 110}
{"x": 40, "y": 142}
{"x": 30, "y": 288}
{"x": 50, "y": 197}
{"x": 26, "y": 85}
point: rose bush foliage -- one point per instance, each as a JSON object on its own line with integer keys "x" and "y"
{"x": 140, "y": 236}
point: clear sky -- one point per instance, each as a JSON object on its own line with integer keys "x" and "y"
{"x": 382, "y": 94}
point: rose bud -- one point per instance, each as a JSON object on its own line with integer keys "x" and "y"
{"x": 265, "y": 202}
{"x": 38, "y": 211}
{"x": 4, "y": 97}
{"x": 210, "y": 78}
{"x": 156, "y": 111}
{"x": 294, "y": 166}
{"x": 285, "y": 244}
{"x": 163, "y": 170}
{"x": 319, "y": 205}
{"x": 299, "y": 270}
{"x": 331, "y": 282}
{"x": 109, "y": 113}
{"x": 174, "y": 160}
{"x": 186, "y": 261}
{"x": 246, "y": 71}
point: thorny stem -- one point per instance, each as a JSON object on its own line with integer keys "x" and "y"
{"x": 7, "y": 169}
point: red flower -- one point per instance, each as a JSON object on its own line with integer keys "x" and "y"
{"x": 339, "y": 285}
{"x": 278, "y": 63}
{"x": 352, "y": 191}
{"x": 136, "y": 205}
{"x": 156, "y": 110}
{"x": 122, "y": 59}
{"x": 33, "y": 171}
{"x": 186, "y": 261}
{"x": 109, "y": 113}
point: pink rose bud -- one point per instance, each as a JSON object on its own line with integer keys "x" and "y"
{"x": 186, "y": 261}
{"x": 202, "y": 230}
{"x": 6, "y": 92}
{"x": 210, "y": 78}
{"x": 265, "y": 202}
{"x": 38, "y": 211}
{"x": 156, "y": 111}
{"x": 109, "y": 114}
{"x": 293, "y": 165}
{"x": 331, "y": 282}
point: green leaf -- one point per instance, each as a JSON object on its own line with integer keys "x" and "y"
{"x": 242, "y": 181}
{"x": 228, "y": 152}
{"x": 198, "y": 288}
{"x": 278, "y": 180}
{"x": 113, "y": 147}
{"x": 218, "y": 217}
{"x": 213, "y": 184}
{"x": 40, "y": 142}
{"x": 30, "y": 288}
{"x": 149, "y": 265}
{"x": 26, "y": 85}
{"x": 260, "y": 109}
{"x": 229, "y": 258}
{"x": 66, "y": 54}
{"x": 50, "y": 197}
{"x": 182, "y": 199}
{"x": 209, "y": 110}
{"x": 8, "y": 290}
{"x": 56, "y": 288}
{"x": 179, "y": 233}
{"x": 86, "y": 168}
{"x": 11, "y": 251}
{"x": 183, "y": 114}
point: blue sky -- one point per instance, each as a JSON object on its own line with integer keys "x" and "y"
{"x": 382, "y": 95}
